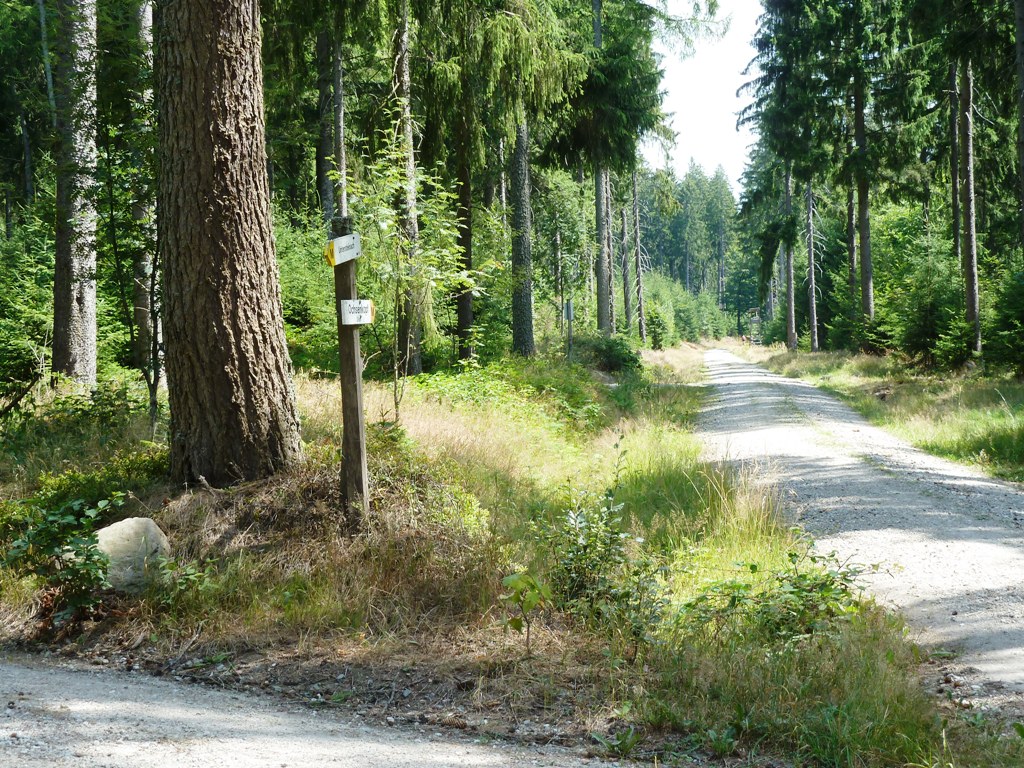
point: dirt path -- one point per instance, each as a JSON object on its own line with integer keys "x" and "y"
{"x": 949, "y": 539}
{"x": 58, "y": 716}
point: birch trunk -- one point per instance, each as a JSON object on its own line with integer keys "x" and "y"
{"x": 640, "y": 309}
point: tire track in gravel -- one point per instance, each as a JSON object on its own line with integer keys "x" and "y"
{"x": 949, "y": 540}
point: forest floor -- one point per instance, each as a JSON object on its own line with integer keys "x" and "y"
{"x": 942, "y": 543}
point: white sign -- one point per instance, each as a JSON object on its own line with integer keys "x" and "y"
{"x": 342, "y": 249}
{"x": 356, "y": 311}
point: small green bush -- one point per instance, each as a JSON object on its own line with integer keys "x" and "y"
{"x": 657, "y": 330}
{"x": 132, "y": 470}
{"x": 59, "y": 546}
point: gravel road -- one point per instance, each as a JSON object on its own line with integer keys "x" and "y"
{"x": 949, "y": 540}
{"x": 63, "y": 715}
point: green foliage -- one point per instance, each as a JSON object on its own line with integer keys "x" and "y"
{"x": 526, "y": 593}
{"x": 613, "y": 354}
{"x": 601, "y": 573}
{"x": 136, "y": 470}
{"x": 1006, "y": 329}
{"x": 566, "y": 394}
{"x": 810, "y": 596}
{"x": 60, "y": 547}
{"x": 81, "y": 432}
{"x": 657, "y": 328}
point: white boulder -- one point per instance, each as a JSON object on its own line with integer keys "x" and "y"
{"x": 133, "y": 546}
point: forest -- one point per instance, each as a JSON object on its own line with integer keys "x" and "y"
{"x": 542, "y": 550}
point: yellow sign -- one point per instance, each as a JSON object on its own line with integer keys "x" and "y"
{"x": 342, "y": 249}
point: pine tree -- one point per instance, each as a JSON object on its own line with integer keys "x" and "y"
{"x": 233, "y": 413}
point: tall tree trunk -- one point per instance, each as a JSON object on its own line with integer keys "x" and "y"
{"x": 503, "y": 183}
{"x": 8, "y": 215}
{"x": 970, "y": 246}
{"x": 340, "y": 153}
{"x": 640, "y": 309}
{"x": 147, "y": 353}
{"x": 1018, "y": 7}
{"x": 812, "y": 291}
{"x": 602, "y": 276}
{"x": 609, "y": 246}
{"x": 867, "y": 282}
{"x": 851, "y": 240}
{"x": 464, "y": 171}
{"x": 721, "y": 265}
{"x": 74, "y": 278}
{"x": 686, "y": 266}
{"x": 233, "y": 412}
{"x": 409, "y": 361}
{"x": 954, "y": 162}
{"x": 627, "y": 287}
{"x": 790, "y": 287}
{"x": 325, "y": 122}
{"x": 45, "y": 35}
{"x": 522, "y": 231}
{"x": 26, "y": 154}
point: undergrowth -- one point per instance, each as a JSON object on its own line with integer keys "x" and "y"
{"x": 534, "y": 497}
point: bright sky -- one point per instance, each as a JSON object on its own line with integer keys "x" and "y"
{"x": 701, "y": 96}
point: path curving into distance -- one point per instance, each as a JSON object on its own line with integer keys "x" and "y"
{"x": 949, "y": 540}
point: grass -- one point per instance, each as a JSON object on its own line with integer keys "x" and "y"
{"x": 707, "y": 626}
{"x": 969, "y": 417}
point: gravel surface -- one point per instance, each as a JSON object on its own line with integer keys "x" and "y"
{"x": 62, "y": 715}
{"x": 948, "y": 540}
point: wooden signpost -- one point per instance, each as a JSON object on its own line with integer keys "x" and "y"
{"x": 341, "y": 253}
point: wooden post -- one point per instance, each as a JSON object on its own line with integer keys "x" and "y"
{"x": 355, "y": 487}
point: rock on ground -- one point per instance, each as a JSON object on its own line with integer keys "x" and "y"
{"x": 134, "y": 547}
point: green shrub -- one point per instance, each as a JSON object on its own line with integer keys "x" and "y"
{"x": 657, "y": 330}
{"x": 135, "y": 471}
{"x": 613, "y": 354}
{"x": 1006, "y": 330}
{"x": 59, "y": 547}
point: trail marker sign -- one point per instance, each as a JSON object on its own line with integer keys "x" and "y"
{"x": 342, "y": 249}
{"x": 356, "y": 311}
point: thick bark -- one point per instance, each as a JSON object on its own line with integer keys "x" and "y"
{"x": 74, "y": 278}
{"x": 812, "y": 291}
{"x": 522, "y": 231}
{"x": 627, "y": 288}
{"x": 790, "y": 288}
{"x": 602, "y": 278}
{"x": 640, "y": 313}
{"x": 970, "y": 246}
{"x": 233, "y": 412}
{"x": 867, "y": 282}
{"x": 325, "y": 122}
{"x": 410, "y": 361}
{"x": 45, "y": 38}
{"x": 954, "y": 162}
